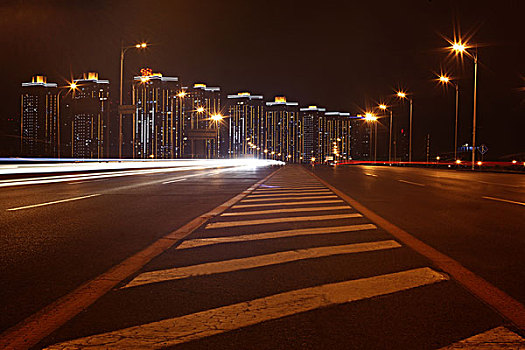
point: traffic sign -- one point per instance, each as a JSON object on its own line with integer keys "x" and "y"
{"x": 483, "y": 149}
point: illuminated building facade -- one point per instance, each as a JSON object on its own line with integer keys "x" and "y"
{"x": 157, "y": 124}
{"x": 85, "y": 118}
{"x": 245, "y": 125}
{"x": 360, "y": 135}
{"x": 204, "y": 137}
{"x": 312, "y": 146}
{"x": 39, "y": 118}
{"x": 336, "y": 136}
{"x": 283, "y": 131}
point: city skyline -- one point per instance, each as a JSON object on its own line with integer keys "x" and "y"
{"x": 361, "y": 85}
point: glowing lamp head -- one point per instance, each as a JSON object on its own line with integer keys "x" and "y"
{"x": 458, "y": 47}
{"x": 514, "y": 161}
{"x": 141, "y": 46}
{"x": 313, "y": 159}
{"x": 458, "y": 161}
{"x": 182, "y": 94}
{"x": 144, "y": 79}
{"x": 73, "y": 86}
{"x": 438, "y": 158}
{"x": 369, "y": 117}
{"x": 216, "y": 117}
{"x": 401, "y": 94}
{"x": 265, "y": 151}
{"x": 382, "y": 106}
{"x": 200, "y": 109}
{"x": 444, "y": 79}
{"x": 479, "y": 162}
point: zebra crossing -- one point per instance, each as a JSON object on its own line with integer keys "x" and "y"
{"x": 289, "y": 250}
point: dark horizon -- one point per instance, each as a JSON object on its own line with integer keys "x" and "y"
{"x": 345, "y": 57}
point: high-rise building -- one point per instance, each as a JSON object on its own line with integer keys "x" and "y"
{"x": 85, "y": 118}
{"x": 39, "y": 118}
{"x": 312, "y": 138}
{"x": 246, "y": 125}
{"x": 360, "y": 139}
{"x": 336, "y": 135}
{"x": 156, "y": 124}
{"x": 283, "y": 130}
{"x": 204, "y": 137}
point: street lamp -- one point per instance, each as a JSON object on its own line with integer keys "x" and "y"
{"x": 446, "y": 80}
{"x": 461, "y": 48}
{"x": 217, "y": 118}
{"x": 384, "y": 108}
{"x": 72, "y": 87}
{"x": 403, "y": 95}
{"x": 371, "y": 118}
{"x": 123, "y": 50}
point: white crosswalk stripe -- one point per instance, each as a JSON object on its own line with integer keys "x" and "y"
{"x": 499, "y": 338}
{"x": 290, "y": 194}
{"x": 198, "y": 242}
{"x": 287, "y": 210}
{"x": 178, "y": 330}
{"x": 251, "y": 199}
{"x": 239, "y": 206}
{"x": 256, "y": 261}
{"x": 222, "y": 224}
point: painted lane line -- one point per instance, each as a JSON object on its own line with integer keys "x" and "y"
{"x": 288, "y": 210}
{"x": 53, "y": 202}
{"x": 496, "y": 338}
{"x": 85, "y": 181}
{"x": 34, "y": 328}
{"x": 268, "y": 189}
{"x": 507, "y": 306}
{"x": 256, "y": 261}
{"x": 199, "y": 242}
{"x": 250, "y": 199}
{"x": 239, "y": 206}
{"x": 173, "y": 331}
{"x": 498, "y": 184}
{"x": 222, "y": 224}
{"x": 291, "y": 194}
{"x": 373, "y": 175}
{"x": 412, "y": 183}
{"x": 503, "y": 200}
{"x": 171, "y": 181}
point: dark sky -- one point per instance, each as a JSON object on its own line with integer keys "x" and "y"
{"x": 341, "y": 55}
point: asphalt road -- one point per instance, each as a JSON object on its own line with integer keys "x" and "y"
{"x": 450, "y": 211}
{"x": 290, "y": 265}
{"x": 47, "y": 251}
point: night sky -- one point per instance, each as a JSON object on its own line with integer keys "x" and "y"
{"x": 344, "y": 56}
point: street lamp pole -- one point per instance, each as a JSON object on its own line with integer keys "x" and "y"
{"x": 474, "y": 109}
{"x": 410, "y": 138}
{"x": 123, "y": 50}
{"x": 390, "y": 140}
{"x": 456, "y": 128}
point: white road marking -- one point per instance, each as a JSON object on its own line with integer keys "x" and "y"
{"x": 173, "y": 331}
{"x": 256, "y": 261}
{"x": 374, "y": 175}
{"x": 285, "y": 198}
{"x": 412, "y": 183}
{"x": 171, "y": 181}
{"x": 503, "y": 200}
{"x": 288, "y": 210}
{"x": 85, "y": 181}
{"x": 239, "y": 206}
{"x": 494, "y": 339}
{"x": 199, "y": 242}
{"x": 277, "y": 188}
{"x": 222, "y": 224}
{"x": 498, "y": 184}
{"x": 291, "y": 194}
{"x": 286, "y": 191}
{"x": 54, "y": 202}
